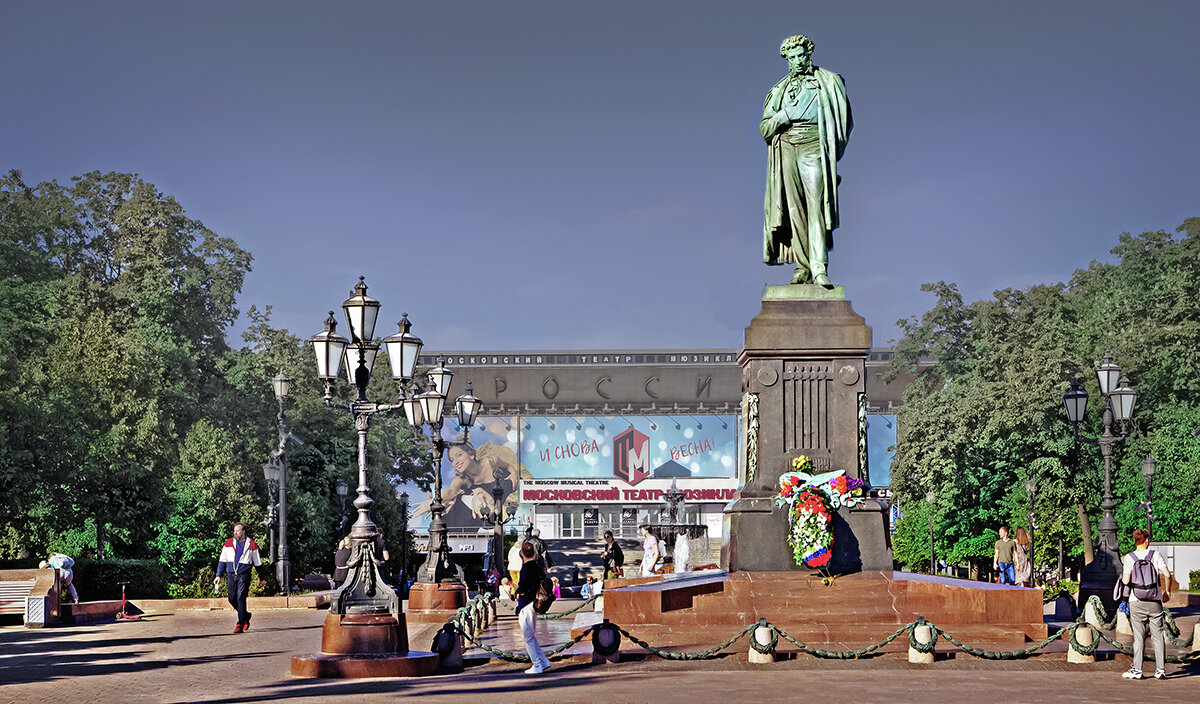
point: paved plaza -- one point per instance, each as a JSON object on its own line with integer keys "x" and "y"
{"x": 192, "y": 656}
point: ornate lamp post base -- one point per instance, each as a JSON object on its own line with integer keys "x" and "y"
{"x": 440, "y": 596}
{"x": 365, "y": 645}
{"x": 1098, "y": 577}
{"x": 365, "y": 632}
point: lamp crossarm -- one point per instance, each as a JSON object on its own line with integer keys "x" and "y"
{"x": 339, "y": 406}
{"x": 1112, "y": 439}
{"x": 361, "y": 407}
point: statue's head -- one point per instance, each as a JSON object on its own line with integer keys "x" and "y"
{"x": 798, "y": 50}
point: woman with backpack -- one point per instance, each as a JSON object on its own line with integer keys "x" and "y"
{"x": 1148, "y": 584}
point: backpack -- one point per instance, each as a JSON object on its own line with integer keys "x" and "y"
{"x": 1143, "y": 579}
{"x": 544, "y": 596}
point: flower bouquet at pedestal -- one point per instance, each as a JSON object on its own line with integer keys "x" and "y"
{"x": 811, "y": 501}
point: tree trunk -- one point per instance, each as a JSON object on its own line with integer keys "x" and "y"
{"x": 99, "y": 537}
{"x": 1085, "y": 528}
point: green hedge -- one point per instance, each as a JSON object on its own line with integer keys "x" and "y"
{"x": 1051, "y": 591}
{"x": 101, "y": 580}
{"x": 1194, "y": 581}
{"x": 25, "y": 563}
{"x": 97, "y": 581}
{"x": 262, "y": 584}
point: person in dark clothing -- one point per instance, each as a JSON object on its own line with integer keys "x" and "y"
{"x": 613, "y": 556}
{"x": 543, "y": 558}
{"x": 340, "y": 557}
{"x": 238, "y": 557}
{"x": 531, "y": 578}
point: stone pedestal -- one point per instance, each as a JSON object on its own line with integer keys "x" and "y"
{"x": 444, "y": 596}
{"x": 364, "y": 645}
{"x": 803, "y": 379}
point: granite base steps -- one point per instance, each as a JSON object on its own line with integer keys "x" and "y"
{"x": 853, "y": 611}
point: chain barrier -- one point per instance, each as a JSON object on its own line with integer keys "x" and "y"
{"x": 1172, "y": 631}
{"x": 465, "y": 619}
{"x": 1105, "y": 622}
{"x": 1147, "y": 653}
{"x": 1008, "y": 654}
{"x": 1170, "y": 628}
{"x": 559, "y": 614}
{"x": 553, "y": 654}
{"x": 676, "y": 655}
{"x": 838, "y": 654}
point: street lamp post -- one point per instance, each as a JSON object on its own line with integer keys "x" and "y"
{"x": 1148, "y": 473}
{"x": 404, "y": 544}
{"x": 365, "y": 633}
{"x": 342, "y": 489}
{"x": 360, "y": 593}
{"x": 438, "y": 569}
{"x": 283, "y": 567}
{"x": 930, "y": 496}
{"x": 271, "y": 473}
{"x": 1031, "y": 489}
{"x": 466, "y": 408}
{"x": 1099, "y": 575}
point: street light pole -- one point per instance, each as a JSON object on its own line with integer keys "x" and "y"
{"x": 271, "y": 474}
{"x": 426, "y": 409}
{"x": 404, "y": 544}
{"x": 360, "y": 594}
{"x": 1099, "y": 575}
{"x": 283, "y": 568}
{"x": 932, "y": 565}
{"x": 1148, "y": 473}
{"x": 341, "y": 488}
{"x": 1031, "y": 489}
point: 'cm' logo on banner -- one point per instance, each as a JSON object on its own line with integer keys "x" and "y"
{"x": 631, "y": 456}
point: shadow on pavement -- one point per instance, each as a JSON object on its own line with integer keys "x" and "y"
{"x": 40, "y": 667}
{"x": 469, "y": 685}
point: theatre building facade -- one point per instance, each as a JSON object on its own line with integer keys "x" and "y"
{"x": 576, "y": 443}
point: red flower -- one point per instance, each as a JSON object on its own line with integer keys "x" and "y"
{"x": 795, "y": 481}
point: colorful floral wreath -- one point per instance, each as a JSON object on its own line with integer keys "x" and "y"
{"x": 811, "y": 502}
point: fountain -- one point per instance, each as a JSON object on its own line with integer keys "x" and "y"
{"x": 680, "y": 543}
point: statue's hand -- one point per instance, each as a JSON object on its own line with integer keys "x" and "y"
{"x": 779, "y": 121}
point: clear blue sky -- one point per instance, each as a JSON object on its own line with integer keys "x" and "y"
{"x": 523, "y": 175}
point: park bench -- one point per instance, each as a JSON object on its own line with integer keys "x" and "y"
{"x": 16, "y": 588}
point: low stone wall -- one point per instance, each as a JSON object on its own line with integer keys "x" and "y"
{"x": 312, "y": 600}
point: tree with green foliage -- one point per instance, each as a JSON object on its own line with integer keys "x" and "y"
{"x": 984, "y": 413}
{"x": 132, "y": 429}
{"x": 116, "y": 315}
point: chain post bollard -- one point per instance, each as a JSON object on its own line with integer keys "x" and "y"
{"x": 1091, "y": 613}
{"x": 606, "y": 643}
{"x": 1196, "y": 635}
{"x": 448, "y": 644}
{"x": 477, "y": 619}
{"x": 1124, "y": 626}
{"x": 1082, "y": 648}
{"x": 763, "y": 639}
{"x": 921, "y": 641}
